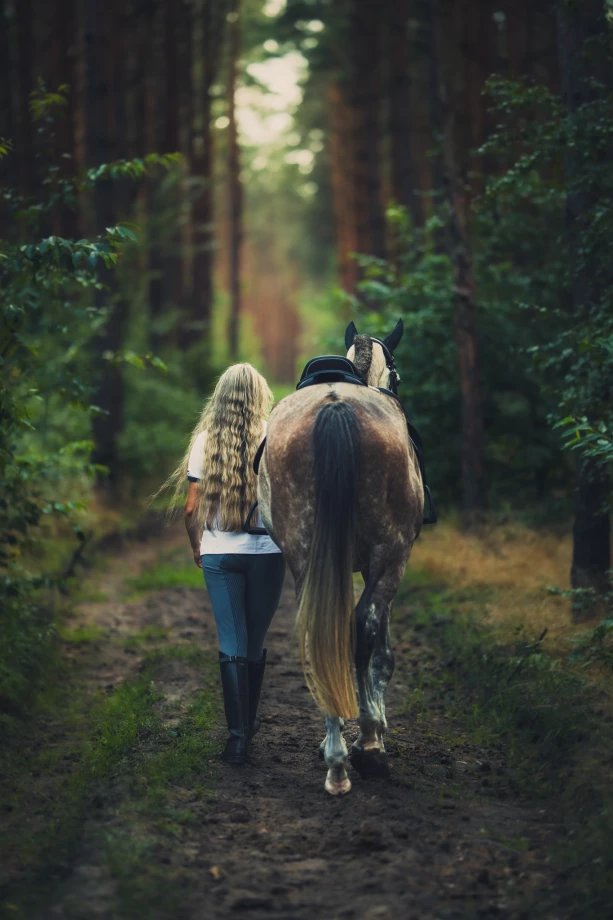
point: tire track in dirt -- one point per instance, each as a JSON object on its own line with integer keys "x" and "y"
{"x": 443, "y": 838}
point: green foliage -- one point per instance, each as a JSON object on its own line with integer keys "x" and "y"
{"x": 418, "y": 287}
{"x": 522, "y": 452}
{"x": 48, "y": 325}
{"x": 567, "y": 155}
{"x": 136, "y": 168}
{"x": 544, "y": 286}
{"x": 597, "y": 646}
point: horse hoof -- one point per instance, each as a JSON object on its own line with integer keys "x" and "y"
{"x": 338, "y": 787}
{"x": 370, "y": 764}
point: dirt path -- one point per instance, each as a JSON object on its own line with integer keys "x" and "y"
{"x": 444, "y": 838}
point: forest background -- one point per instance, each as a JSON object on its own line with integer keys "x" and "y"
{"x": 191, "y": 182}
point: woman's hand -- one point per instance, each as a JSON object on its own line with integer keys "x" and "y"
{"x": 197, "y": 557}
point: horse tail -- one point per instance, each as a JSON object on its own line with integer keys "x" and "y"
{"x": 326, "y": 620}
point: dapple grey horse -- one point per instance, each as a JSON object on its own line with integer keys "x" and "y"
{"x": 340, "y": 491}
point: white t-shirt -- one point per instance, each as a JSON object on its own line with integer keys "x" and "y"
{"x": 223, "y": 541}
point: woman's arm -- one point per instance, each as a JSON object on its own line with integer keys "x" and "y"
{"x": 191, "y": 524}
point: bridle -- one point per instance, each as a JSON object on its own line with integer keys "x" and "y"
{"x": 391, "y": 365}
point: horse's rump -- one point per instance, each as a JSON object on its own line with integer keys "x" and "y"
{"x": 389, "y": 490}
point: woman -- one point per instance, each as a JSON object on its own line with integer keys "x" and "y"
{"x": 243, "y": 572}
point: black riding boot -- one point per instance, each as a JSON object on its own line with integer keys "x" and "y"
{"x": 256, "y": 676}
{"x": 235, "y": 686}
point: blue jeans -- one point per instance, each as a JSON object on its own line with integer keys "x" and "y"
{"x": 244, "y": 590}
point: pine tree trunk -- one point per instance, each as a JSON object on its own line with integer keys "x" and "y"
{"x": 24, "y": 138}
{"x": 404, "y": 182}
{"x": 173, "y": 260}
{"x": 341, "y": 178}
{"x": 366, "y": 122}
{"x": 200, "y": 301}
{"x": 153, "y": 75}
{"x": 474, "y": 497}
{"x": 65, "y": 56}
{"x": 8, "y": 165}
{"x": 208, "y": 36}
{"x": 584, "y": 55}
{"x": 235, "y": 191}
{"x": 101, "y": 118}
{"x": 187, "y": 100}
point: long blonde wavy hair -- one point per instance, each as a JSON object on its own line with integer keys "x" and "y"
{"x": 233, "y": 418}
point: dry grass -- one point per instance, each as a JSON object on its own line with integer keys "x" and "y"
{"x": 516, "y": 566}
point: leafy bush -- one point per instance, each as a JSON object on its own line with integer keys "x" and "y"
{"x": 48, "y": 320}
{"x": 522, "y": 452}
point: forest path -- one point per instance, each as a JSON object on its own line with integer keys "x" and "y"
{"x": 445, "y": 837}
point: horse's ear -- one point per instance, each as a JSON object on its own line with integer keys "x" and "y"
{"x": 394, "y": 337}
{"x": 350, "y": 334}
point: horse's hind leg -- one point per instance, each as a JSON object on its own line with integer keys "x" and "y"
{"x": 335, "y": 755}
{"x": 382, "y": 667}
{"x": 374, "y": 668}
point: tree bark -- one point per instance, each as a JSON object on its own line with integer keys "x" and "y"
{"x": 474, "y": 496}
{"x": 208, "y": 36}
{"x": 152, "y": 73}
{"x": 341, "y": 179}
{"x": 400, "y": 61}
{"x": 235, "y": 190}
{"x": 8, "y": 166}
{"x": 101, "y": 122}
{"x": 65, "y": 63}
{"x": 365, "y": 26}
{"x": 584, "y": 56}
{"x": 186, "y": 22}
{"x": 24, "y": 138}
{"x": 172, "y": 266}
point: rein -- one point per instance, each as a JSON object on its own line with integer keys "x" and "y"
{"x": 390, "y": 362}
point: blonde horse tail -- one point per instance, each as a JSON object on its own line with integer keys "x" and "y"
{"x": 326, "y": 620}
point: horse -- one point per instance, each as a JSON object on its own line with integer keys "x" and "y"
{"x": 340, "y": 491}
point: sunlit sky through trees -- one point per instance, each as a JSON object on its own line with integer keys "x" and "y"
{"x": 266, "y": 103}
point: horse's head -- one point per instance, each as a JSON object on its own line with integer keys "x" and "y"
{"x": 374, "y": 358}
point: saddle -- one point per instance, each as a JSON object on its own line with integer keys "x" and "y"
{"x": 329, "y": 369}
{"x": 338, "y": 369}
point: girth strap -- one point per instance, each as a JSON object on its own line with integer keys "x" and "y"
{"x": 258, "y": 456}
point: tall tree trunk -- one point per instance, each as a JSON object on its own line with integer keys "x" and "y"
{"x": 101, "y": 123}
{"x": 474, "y": 498}
{"x": 235, "y": 190}
{"x": 172, "y": 265}
{"x": 8, "y": 165}
{"x": 517, "y": 22}
{"x": 366, "y": 121}
{"x": 65, "y": 53}
{"x": 478, "y": 47}
{"x": 584, "y": 49}
{"x": 341, "y": 179}
{"x": 24, "y": 138}
{"x": 208, "y": 35}
{"x": 153, "y": 74}
{"x": 404, "y": 182}
{"x": 187, "y": 99}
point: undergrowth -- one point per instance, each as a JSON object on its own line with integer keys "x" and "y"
{"x": 554, "y": 724}
{"x": 107, "y": 750}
